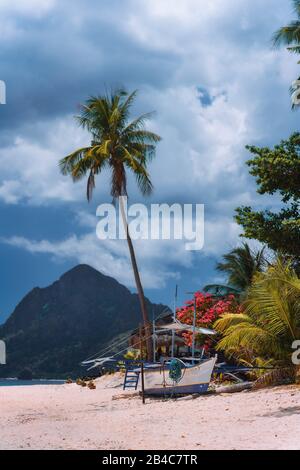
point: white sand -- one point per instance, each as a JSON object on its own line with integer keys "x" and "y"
{"x": 72, "y": 417}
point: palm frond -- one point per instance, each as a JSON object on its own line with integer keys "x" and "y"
{"x": 230, "y": 319}
{"x": 269, "y": 323}
{"x": 288, "y": 35}
{"x": 241, "y": 264}
{"x": 144, "y": 183}
{"x": 296, "y": 5}
{"x": 67, "y": 163}
{"x": 142, "y": 136}
{"x": 116, "y": 142}
{"x": 278, "y": 376}
{"x": 244, "y": 334}
{"x": 128, "y": 102}
{"x": 294, "y": 49}
{"x": 138, "y": 123}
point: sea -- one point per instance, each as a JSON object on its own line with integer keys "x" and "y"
{"x": 16, "y": 382}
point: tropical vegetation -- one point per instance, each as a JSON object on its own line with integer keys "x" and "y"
{"x": 277, "y": 172}
{"x": 289, "y": 35}
{"x": 263, "y": 331}
{"x": 121, "y": 146}
{"x": 241, "y": 264}
{"x": 258, "y": 327}
{"x": 208, "y": 309}
{"x": 262, "y": 334}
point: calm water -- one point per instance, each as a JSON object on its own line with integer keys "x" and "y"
{"x": 15, "y": 382}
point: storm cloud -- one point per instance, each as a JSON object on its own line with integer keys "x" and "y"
{"x": 209, "y": 72}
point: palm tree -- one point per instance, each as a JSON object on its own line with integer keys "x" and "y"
{"x": 264, "y": 332}
{"x": 120, "y": 146}
{"x": 241, "y": 264}
{"x": 289, "y": 35}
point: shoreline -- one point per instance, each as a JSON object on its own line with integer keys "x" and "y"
{"x": 71, "y": 417}
{"x": 15, "y": 382}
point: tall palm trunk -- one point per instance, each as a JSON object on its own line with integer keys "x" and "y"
{"x": 139, "y": 287}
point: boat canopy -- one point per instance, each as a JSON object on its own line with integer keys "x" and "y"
{"x": 178, "y": 326}
{"x": 174, "y": 326}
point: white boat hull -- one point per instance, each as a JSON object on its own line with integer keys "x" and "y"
{"x": 195, "y": 379}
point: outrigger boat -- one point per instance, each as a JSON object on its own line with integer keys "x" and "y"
{"x": 172, "y": 377}
{"x": 177, "y": 376}
{"x": 191, "y": 379}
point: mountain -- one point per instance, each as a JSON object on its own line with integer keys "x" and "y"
{"x": 54, "y": 328}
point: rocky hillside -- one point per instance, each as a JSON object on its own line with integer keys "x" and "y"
{"x": 54, "y": 328}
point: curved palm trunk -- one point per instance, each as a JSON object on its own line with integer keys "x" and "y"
{"x": 139, "y": 287}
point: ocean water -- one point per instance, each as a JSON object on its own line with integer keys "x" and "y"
{"x": 16, "y": 383}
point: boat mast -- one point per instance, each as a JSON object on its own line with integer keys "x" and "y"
{"x": 194, "y": 326}
{"x": 174, "y": 318}
{"x": 194, "y": 329}
{"x": 154, "y": 338}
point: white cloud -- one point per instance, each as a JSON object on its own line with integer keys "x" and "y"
{"x": 197, "y": 156}
{"x": 225, "y": 49}
{"x": 111, "y": 257}
{"x": 10, "y": 190}
{"x": 33, "y": 8}
{"x": 202, "y": 154}
{"x": 29, "y": 168}
{"x": 158, "y": 26}
{"x": 221, "y": 235}
{"x": 159, "y": 261}
{"x": 201, "y": 158}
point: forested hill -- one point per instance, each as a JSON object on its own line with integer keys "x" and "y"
{"x": 54, "y": 328}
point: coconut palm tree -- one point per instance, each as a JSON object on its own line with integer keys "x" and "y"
{"x": 241, "y": 264}
{"x": 269, "y": 324}
{"x": 289, "y": 35}
{"x": 118, "y": 145}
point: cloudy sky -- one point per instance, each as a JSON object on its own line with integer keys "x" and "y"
{"x": 216, "y": 84}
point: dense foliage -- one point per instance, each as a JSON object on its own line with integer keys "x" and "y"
{"x": 263, "y": 333}
{"x": 289, "y": 35}
{"x": 277, "y": 171}
{"x": 241, "y": 264}
{"x": 208, "y": 310}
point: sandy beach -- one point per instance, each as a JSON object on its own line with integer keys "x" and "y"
{"x": 72, "y": 417}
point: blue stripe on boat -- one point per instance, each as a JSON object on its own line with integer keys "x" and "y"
{"x": 178, "y": 390}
